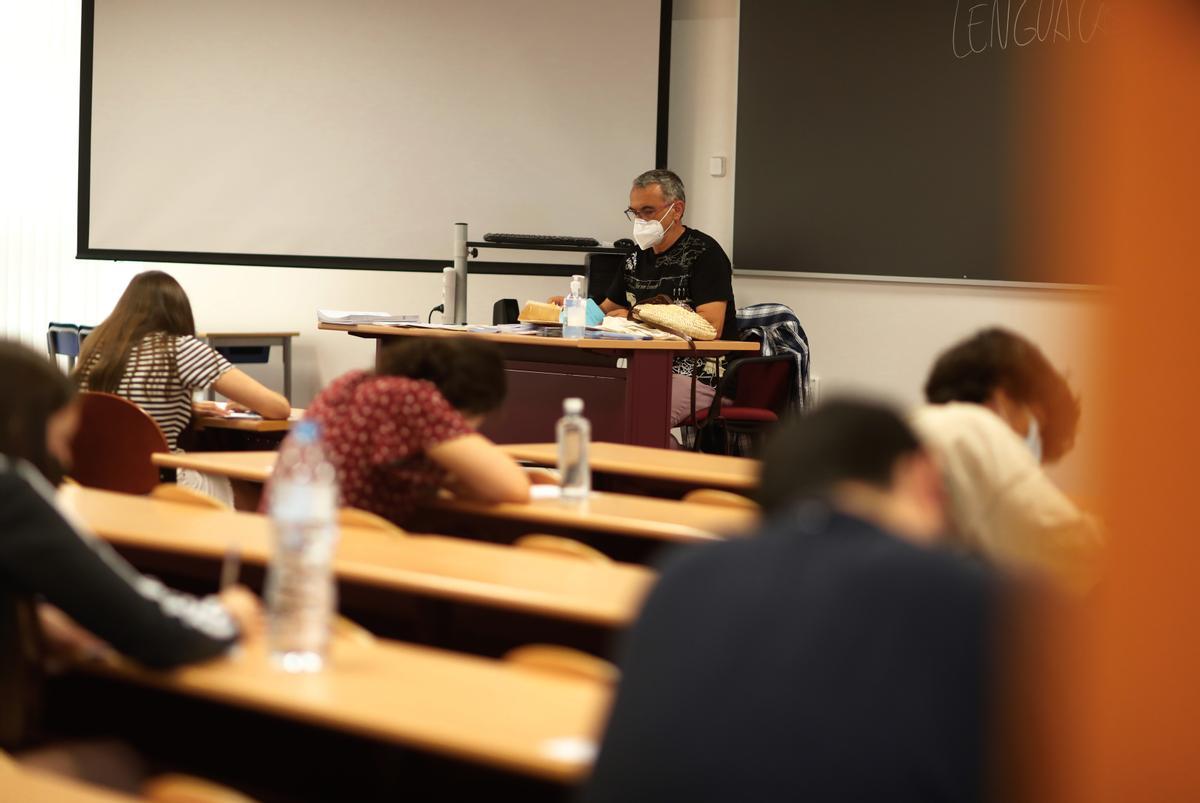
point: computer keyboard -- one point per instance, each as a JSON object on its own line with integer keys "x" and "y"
{"x": 539, "y": 239}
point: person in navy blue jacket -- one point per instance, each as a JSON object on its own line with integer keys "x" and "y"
{"x": 838, "y": 655}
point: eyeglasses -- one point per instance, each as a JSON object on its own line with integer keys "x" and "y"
{"x": 646, "y": 212}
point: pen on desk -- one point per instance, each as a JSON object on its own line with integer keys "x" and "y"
{"x": 231, "y": 565}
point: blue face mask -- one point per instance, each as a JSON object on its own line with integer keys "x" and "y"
{"x": 1033, "y": 438}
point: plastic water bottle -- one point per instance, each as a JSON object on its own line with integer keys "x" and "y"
{"x": 574, "y": 434}
{"x": 575, "y": 307}
{"x": 301, "y": 595}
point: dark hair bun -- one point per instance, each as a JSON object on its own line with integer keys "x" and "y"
{"x": 468, "y": 372}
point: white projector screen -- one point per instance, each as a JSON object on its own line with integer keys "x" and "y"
{"x": 344, "y": 132}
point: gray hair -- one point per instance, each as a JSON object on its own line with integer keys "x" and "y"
{"x": 671, "y": 184}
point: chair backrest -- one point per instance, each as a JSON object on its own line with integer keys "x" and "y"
{"x": 557, "y": 545}
{"x": 113, "y": 445}
{"x": 768, "y": 383}
{"x": 558, "y": 660}
{"x": 719, "y": 498}
{"x": 777, "y": 330}
{"x": 349, "y": 630}
{"x": 176, "y": 788}
{"x": 63, "y": 339}
{"x": 170, "y": 492}
{"x": 505, "y": 311}
{"x": 355, "y": 517}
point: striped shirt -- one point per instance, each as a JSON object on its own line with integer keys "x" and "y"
{"x": 161, "y": 375}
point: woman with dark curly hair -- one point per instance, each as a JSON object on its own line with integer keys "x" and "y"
{"x": 998, "y": 410}
{"x": 398, "y": 433}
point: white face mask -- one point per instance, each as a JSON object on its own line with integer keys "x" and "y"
{"x": 1033, "y": 438}
{"x": 649, "y": 233}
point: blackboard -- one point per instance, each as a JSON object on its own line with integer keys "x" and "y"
{"x": 898, "y": 138}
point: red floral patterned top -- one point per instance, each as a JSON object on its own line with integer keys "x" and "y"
{"x": 376, "y": 430}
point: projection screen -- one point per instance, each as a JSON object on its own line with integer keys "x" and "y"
{"x": 356, "y": 132}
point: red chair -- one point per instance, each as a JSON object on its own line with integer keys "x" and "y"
{"x": 763, "y": 390}
{"x": 113, "y": 446}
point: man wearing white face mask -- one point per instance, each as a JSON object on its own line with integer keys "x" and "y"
{"x": 998, "y": 410}
{"x": 681, "y": 262}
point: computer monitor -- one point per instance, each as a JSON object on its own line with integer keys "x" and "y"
{"x": 599, "y": 270}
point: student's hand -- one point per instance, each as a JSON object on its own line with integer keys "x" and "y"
{"x": 219, "y": 409}
{"x": 208, "y": 408}
{"x": 245, "y": 609}
{"x": 619, "y": 312}
{"x": 236, "y": 384}
{"x": 556, "y": 300}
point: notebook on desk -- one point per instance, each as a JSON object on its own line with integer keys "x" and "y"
{"x": 349, "y": 318}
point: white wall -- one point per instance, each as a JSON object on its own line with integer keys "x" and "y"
{"x": 874, "y": 336}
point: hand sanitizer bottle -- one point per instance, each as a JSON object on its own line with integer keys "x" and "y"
{"x": 575, "y": 307}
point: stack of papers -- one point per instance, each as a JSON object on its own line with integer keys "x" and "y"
{"x": 504, "y": 329}
{"x": 614, "y": 326}
{"x": 456, "y": 327}
{"x": 601, "y": 333}
{"x": 348, "y": 318}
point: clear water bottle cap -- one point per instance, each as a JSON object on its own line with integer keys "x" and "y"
{"x": 306, "y": 431}
{"x": 576, "y": 283}
{"x": 573, "y": 406}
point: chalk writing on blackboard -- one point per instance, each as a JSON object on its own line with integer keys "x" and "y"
{"x": 1001, "y": 24}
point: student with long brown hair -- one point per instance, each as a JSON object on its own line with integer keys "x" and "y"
{"x": 147, "y": 352}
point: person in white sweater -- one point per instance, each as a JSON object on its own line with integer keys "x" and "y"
{"x": 998, "y": 411}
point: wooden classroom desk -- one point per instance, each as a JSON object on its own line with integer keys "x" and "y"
{"x": 684, "y": 469}
{"x": 545, "y": 585}
{"x": 634, "y": 516}
{"x": 470, "y": 708}
{"x": 31, "y": 786}
{"x": 624, "y": 514}
{"x": 204, "y": 421}
{"x": 623, "y": 526}
{"x": 625, "y": 384}
{"x": 681, "y": 468}
{"x": 246, "y": 466}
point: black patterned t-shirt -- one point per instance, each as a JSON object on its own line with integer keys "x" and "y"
{"x": 695, "y": 270}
